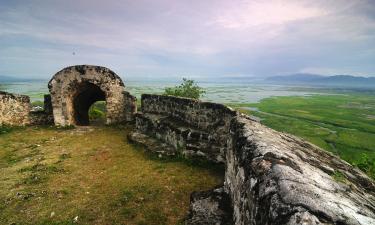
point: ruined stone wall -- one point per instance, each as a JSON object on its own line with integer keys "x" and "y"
{"x": 129, "y": 106}
{"x": 14, "y": 109}
{"x": 276, "y": 178}
{"x": 82, "y": 85}
{"x": 44, "y": 117}
{"x": 191, "y": 127}
{"x": 72, "y": 91}
{"x": 270, "y": 177}
{"x": 205, "y": 116}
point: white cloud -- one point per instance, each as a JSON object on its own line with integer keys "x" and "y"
{"x": 273, "y": 12}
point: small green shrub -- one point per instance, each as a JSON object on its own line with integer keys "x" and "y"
{"x": 366, "y": 164}
{"x": 95, "y": 114}
{"x": 187, "y": 89}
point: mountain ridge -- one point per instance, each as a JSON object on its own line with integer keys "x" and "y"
{"x": 315, "y": 79}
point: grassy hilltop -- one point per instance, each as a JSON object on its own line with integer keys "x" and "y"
{"x": 92, "y": 175}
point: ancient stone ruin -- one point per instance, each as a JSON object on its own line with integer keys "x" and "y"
{"x": 270, "y": 177}
{"x": 16, "y": 110}
{"x": 74, "y": 89}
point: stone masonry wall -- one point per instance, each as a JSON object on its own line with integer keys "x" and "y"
{"x": 191, "y": 127}
{"x": 130, "y": 106}
{"x": 271, "y": 178}
{"x": 74, "y": 89}
{"x": 14, "y": 109}
{"x": 202, "y": 115}
{"x": 44, "y": 117}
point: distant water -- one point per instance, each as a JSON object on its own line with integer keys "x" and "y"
{"x": 215, "y": 92}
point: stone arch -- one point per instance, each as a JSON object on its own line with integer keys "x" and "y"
{"x": 74, "y": 89}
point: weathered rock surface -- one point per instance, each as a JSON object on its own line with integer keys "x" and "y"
{"x": 74, "y": 89}
{"x": 271, "y": 177}
{"x": 191, "y": 127}
{"x": 209, "y": 207}
{"x": 276, "y": 178}
{"x": 152, "y": 144}
{"x": 14, "y": 109}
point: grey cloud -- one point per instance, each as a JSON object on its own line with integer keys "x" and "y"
{"x": 206, "y": 38}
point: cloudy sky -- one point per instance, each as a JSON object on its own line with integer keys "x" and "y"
{"x": 194, "y": 38}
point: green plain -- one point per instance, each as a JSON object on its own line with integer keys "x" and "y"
{"x": 340, "y": 123}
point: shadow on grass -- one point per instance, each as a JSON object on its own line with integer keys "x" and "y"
{"x": 198, "y": 162}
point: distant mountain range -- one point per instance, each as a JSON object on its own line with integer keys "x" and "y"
{"x": 336, "y": 81}
{"x": 319, "y": 80}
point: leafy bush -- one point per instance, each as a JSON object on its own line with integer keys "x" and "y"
{"x": 95, "y": 114}
{"x": 187, "y": 89}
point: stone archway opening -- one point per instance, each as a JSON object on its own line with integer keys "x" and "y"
{"x": 85, "y": 97}
{"x": 74, "y": 89}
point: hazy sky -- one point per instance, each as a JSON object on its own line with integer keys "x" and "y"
{"x": 194, "y": 38}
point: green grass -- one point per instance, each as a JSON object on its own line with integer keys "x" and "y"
{"x": 51, "y": 176}
{"x": 343, "y": 124}
{"x": 339, "y": 176}
{"x": 37, "y": 103}
{"x": 97, "y": 112}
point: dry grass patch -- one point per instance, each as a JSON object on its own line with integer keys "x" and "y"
{"x": 92, "y": 176}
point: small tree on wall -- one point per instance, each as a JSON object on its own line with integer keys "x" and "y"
{"x": 188, "y": 89}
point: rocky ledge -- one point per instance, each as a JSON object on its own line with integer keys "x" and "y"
{"x": 271, "y": 178}
{"x": 210, "y": 207}
{"x": 276, "y": 178}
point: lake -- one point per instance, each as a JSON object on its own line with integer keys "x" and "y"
{"x": 215, "y": 92}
